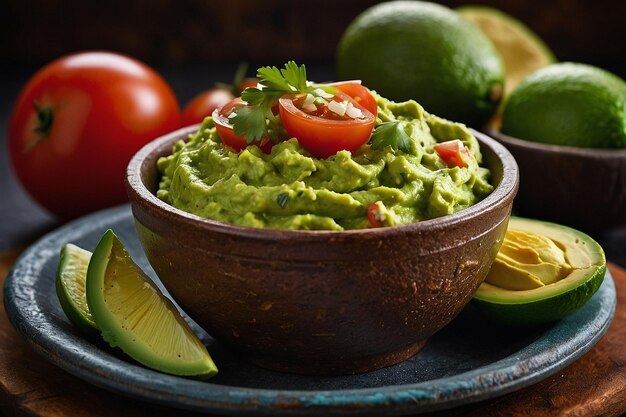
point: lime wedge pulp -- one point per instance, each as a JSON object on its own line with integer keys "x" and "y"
{"x": 135, "y": 316}
{"x": 70, "y": 287}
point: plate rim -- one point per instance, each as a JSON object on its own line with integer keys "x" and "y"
{"x": 142, "y": 383}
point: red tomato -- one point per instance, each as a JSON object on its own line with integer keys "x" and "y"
{"x": 359, "y": 93}
{"x": 323, "y": 134}
{"x": 203, "y": 105}
{"x": 453, "y": 152}
{"x": 77, "y": 123}
{"x": 248, "y": 82}
{"x": 206, "y": 102}
{"x": 225, "y": 129}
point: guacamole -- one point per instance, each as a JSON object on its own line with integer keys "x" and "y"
{"x": 291, "y": 189}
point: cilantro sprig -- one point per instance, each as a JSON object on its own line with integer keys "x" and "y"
{"x": 391, "y": 134}
{"x": 252, "y": 120}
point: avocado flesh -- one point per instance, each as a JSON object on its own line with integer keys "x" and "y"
{"x": 585, "y": 257}
{"x": 526, "y": 261}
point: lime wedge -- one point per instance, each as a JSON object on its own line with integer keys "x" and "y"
{"x": 522, "y": 51}
{"x": 70, "y": 286}
{"x": 135, "y": 316}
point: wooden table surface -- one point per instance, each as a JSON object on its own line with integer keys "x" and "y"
{"x": 595, "y": 385}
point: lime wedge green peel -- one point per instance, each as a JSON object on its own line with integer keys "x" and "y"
{"x": 522, "y": 51}
{"x": 135, "y": 316}
{"x": 107, "y": 291}
{"x": 70, "y": 287}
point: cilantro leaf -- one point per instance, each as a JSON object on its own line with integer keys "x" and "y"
{"x": 291, "y": 79}
{"x": 256, "y": 97}
{"x": 253, "y": 96}
{"x": 250, "y": 122}
{"x": 391, "y": 134}
{"x": 295, "y": 75}
{"x": 272, "y": 78}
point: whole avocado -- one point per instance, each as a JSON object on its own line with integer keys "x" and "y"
{"x": 568, "y": 104}
{"x": 426, "y": 52}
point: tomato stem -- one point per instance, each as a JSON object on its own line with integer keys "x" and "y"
{"x": 45, "y": 120}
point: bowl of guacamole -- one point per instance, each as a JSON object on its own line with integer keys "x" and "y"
{"x": 325, "y": 265}
{"x": 289, "y": 188}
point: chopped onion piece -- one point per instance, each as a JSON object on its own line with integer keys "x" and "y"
{"x": 353, "y": 112}
{"x": 233, "y": 114}
{"x": 337, "y": 107}
{"x": 309, "y": 99}
{"x": 321, "y": 93}
{"x": 260, "y": 86}
{"x": 307, "y": 104}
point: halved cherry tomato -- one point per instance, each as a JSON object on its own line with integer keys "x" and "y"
{"x": 203, "y": 105}
{"x": 453, "y": 152}
{"x": 359, "y": 93}
{"x": 322, "y": 133}
{"x": 225, "y": 129}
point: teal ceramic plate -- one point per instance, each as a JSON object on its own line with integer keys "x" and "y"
{"x": 468, "y": 361}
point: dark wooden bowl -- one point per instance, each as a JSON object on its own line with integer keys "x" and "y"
{"x": 321, "y": 302}
{"x": 581, "y": 187}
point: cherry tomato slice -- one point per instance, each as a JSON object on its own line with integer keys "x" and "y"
{"x": 324, "y": 136}
{"x": 225, "y": 129}
{"x": 453, "y": 152}
{"x": 359, "y": 93}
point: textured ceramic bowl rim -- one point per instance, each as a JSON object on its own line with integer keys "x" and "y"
{"x": 608, "y": 153}
{"x": 501, "y": 195}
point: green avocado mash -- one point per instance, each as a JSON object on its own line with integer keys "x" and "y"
{"x": 292, "y": 190}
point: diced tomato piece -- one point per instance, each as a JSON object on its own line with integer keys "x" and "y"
{"x": 375, "y": 214}
{"x": 453, "y": 152}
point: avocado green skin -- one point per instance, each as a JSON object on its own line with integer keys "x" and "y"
{"x": 86, "y": 325}
{"x": 535, "y": 313}
{"x": 568, "y": 104}
{"x": 426, "y": 52}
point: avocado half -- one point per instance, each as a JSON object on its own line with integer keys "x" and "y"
{"x": 554, "y": 301}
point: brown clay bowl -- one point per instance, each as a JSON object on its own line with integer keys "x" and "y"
{"x": 581, "y": 187}
{"x": 321, "y": 302}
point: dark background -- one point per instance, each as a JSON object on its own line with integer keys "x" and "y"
{"x": 179, "y": 33}
{"x": 194, "y": 44}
